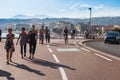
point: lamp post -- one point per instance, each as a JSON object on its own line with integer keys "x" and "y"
{"x": 90, "y": 28}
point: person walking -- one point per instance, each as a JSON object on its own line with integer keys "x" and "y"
{"x": 32, "y": 38}
{"x": 23, "y": 42}
{"x": 41, "y": 35}
{"x": 66, "y": 35}
{"x": 0, "y": 35}
{"x": 9, "y": 45}
{"x": 73, "y": 32}
{"x": 47, "y": 35}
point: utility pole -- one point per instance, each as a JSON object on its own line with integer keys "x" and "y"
{"x": 90, "y": 28}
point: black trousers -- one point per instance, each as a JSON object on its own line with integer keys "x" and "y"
{"x": 47, "y": 39}
{"x": 32, "y": 48}
{"x": 0, "y": 38}
{"x": 23, "y": 49}
{"x": 41, "y": 39}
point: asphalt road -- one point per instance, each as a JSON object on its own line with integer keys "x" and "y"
{"x": 109, "y": 48}
{"x": 56, "y": 61}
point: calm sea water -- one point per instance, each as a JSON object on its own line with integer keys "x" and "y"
{"x": 4, "y": 35}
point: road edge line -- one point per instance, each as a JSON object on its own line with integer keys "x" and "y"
{"x": 103, "y": 53}
{"x": 85, "y": 49}
{"x": 103, "y": 57}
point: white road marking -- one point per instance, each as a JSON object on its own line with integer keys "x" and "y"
{"x": 50, "y": 50}
{"x": 103, "y": 57}
{"x": 55, "y": 57}
{"x": 67, "y": 49}
{"x": 76, "y": 44}
{"x": 63, "y": 74}
{"x": 103, "y": 53}
{"x": 80, "y": 43}
{"x": 85, "y": 49}
{"x": 48, "y": 46}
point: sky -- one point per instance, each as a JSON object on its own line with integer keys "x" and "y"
{"x": 60, "y": 8}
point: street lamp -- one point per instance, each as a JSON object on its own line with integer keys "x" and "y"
{"x": 90, "y": 28}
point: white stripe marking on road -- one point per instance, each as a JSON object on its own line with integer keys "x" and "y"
{"x": 80, "y": 43}
{"x": 48, "y": 46}
{"x": 63, "y": 74}
{"x": 103, "y": 57}
{"x": 76, "y": 44}
{"x": 50, "y": 50}
{"x": 85, "y": 49}
{"x": 55, "y": 57}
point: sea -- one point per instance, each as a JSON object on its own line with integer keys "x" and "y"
{"x": 4, "y": 35}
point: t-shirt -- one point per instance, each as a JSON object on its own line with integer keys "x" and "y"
{"x": 66, "y": 31}
{"x": 47, "y": 32}
{"x": 32, "y": 37}
{"x": 23, "y": 38}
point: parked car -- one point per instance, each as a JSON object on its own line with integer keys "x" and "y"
{"x": 112, "y": 36}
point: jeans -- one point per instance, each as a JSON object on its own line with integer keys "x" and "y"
{"x": 32, "y": 48}
{"x": 23, "y": 49}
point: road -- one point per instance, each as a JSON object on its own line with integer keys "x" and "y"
{"x": 56, "y": 61}
{"x": 113, "y": 49}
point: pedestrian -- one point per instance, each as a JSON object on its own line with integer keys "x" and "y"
{"x": 73, "y": 33}
{"x": 9, "y": 45}
{"x": 66, "y": 35}
{"x": 47, "y": 35}
{"x": 0, "y": 35}
{"x": 41, "y": 35}
{"x": 32, "y": 38}
{"x": 23, "y": 42}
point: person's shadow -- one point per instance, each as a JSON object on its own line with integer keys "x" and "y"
{"x": 49, "y": 64}
{"x": 6, "y": 74}
{"x": 24, "y": 67}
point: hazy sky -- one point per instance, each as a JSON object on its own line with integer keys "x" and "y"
{"x": 59, "y": 8}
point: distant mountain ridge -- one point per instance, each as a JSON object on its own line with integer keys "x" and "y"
{"x": 95, "y": 21}
{"x": 20, "y": 16}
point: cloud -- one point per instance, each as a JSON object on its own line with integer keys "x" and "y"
{"x": 78, "y": 6}
{"x": 98, "y": 10}
{"x": 61, "y": 10}
{"x": 80, "y": 10}
{"x": 101, "y": 6}
{"x": 74, "y": 6}
{"x": 83, "y": 6}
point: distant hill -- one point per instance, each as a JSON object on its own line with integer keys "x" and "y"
{"x": 20, "y": 16}
{"x": 106, "y": 20}
{"x": 95, "y": 21}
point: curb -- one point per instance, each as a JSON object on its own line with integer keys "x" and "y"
{"x": 98, "y": 51}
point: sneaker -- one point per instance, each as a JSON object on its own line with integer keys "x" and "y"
{"x": 30, "y": 57}
{"x": 24, "y": 55}
{"x": 7, "y": 63}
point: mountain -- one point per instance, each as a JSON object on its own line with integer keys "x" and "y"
{"x": 20, "y": 16}
{"x": 40, "y": 16}
{"x": 19, "y": 19}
